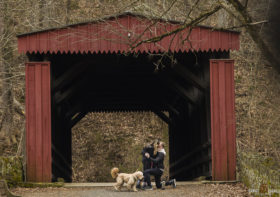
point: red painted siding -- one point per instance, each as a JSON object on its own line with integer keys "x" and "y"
{"x": 223, "y": 137}
{"x": 112, "y": 36}
{"x": 38, "y": 121}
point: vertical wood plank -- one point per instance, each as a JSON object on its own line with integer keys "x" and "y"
{"x": 215, "y": 136}
{"x": 46, "y": 122}
{"x": 30, "y": 122}
{"x": 223, "y": 128}
{"x": 38, "y": 121}
{"x": 231, "y": 137}
{"x": 223, "y": 136}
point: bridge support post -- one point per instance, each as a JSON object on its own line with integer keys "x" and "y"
{"x": 223, "y": 137}
{"x": 38, "y": 122}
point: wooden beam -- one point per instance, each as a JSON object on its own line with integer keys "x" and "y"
{"x": 77, "y": 118}
{"x": 173, "y": 109}
{"x": 163, "y": 117}
{"x": 193, "y": 164}
{"x": 177, "y": 113}
{"x": 68, "y": 76}
{"x": 181, "y": 90}
{"x": 74, "y": 109}
{"x": 59, "y": 97}
{"x": 189, "y": 76}
{"x": 190, "y": 154}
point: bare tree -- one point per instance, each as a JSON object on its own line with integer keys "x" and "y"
{"x": 245, "y": 19}
{"x": 6, "y": 24}
{"x": 67, "y": 14}
{"x": 42, "y": 13}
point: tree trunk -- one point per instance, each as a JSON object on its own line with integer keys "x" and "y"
{"x": 42, "y": 13}
{"x": 6, "y": 54}
{"x": 68, "y": 5}
{"x": 254, "y": 33}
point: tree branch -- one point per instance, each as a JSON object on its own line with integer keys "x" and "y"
{"x": 252, "y": 30}
{"x": 147, "y": 28}
{"x": 193, "y": 23}
{"x": 246, "y": 3}
{"x": 240, "y": 26}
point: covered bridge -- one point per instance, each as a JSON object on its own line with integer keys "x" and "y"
{"x": 94, "y": 66}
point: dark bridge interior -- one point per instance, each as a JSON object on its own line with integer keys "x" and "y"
{"x": 179, "y": 85}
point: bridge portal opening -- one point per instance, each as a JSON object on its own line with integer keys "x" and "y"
{"x": 175, "y": 87}
{"x": 101, "y": 141}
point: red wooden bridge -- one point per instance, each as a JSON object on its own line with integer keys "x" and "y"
{"x": 95, "y": 66}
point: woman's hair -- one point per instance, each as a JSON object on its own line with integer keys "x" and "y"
{"x": 162, "y": 144}
{"x": 155, "y": 148}
{"x": 157, "y": 141}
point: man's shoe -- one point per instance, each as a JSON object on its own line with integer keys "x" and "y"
{"x": 143, "y": 185}
{"x": 162, "y": 185}
{"x": 173, "y": 183}
{"x": 147, "y": 187}
{"x": 138, "y": 185}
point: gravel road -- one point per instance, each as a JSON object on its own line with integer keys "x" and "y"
{"x": 201, "y": 190}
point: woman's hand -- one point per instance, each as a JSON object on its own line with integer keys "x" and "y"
{"x": 147, "y": 155}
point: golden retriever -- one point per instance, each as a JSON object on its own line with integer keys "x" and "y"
{"x": 129, "y": 179}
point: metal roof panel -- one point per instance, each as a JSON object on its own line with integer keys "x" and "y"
{"x": 122, "y": 33}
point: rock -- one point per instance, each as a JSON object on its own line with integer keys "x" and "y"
{"x": 4, "y": 190}
{"x": 11, "y": 170}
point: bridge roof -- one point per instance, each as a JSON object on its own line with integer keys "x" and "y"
{"x": 122, "y": 33}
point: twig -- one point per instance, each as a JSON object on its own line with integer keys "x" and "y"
{"x": 20, "y": 144}
{"x": 240, "y": 26}
{"x": 246, "y": 4}
{"x": 138, "y": 38}
{"x": 181, "y": 28}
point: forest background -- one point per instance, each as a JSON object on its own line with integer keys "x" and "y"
{"x": 257, "y": 84}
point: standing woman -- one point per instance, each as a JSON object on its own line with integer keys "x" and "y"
{"x": 151, "y": 149}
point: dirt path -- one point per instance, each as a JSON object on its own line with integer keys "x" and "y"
{"x": 221, "y": 190}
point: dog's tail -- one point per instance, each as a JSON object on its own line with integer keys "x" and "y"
{"x": 115, "y": 172}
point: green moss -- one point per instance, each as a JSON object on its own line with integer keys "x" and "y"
{"x": 255, "y": 170}
{"x": 40, "y": 185}
{"x": 11, "y": 170}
